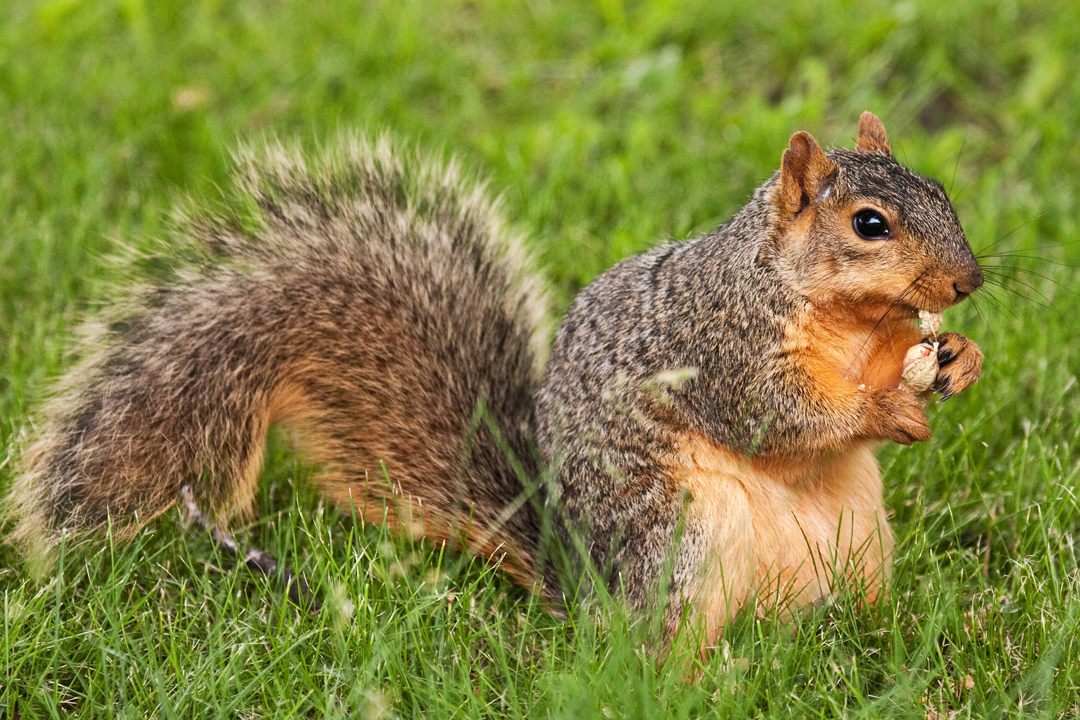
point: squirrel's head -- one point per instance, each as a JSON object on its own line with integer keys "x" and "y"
{"x": 857, "y": 228}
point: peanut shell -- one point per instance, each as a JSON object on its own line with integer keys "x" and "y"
{"x": 920, "y": 368}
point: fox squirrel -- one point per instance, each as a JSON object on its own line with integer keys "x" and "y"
{"x": 710, "y": 408}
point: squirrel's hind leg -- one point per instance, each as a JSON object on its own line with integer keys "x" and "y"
{"x": 256, "y": 559}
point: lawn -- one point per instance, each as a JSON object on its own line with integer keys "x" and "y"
{"x": 607, "y": 127}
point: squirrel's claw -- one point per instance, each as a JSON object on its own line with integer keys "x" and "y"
{"x": 959, "y": 365}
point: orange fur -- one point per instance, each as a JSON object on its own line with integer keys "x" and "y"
{"x": 780, "y": 531}
{"x": 848, "y": 350}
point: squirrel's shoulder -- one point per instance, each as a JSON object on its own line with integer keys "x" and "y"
{"x": 657, "y": 303}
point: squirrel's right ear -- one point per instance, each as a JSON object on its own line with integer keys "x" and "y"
{"x": 872, "y": 136}
{"x": 806, "y": 173}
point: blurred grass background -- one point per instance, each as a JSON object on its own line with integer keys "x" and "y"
{"x": 608, "y": 126}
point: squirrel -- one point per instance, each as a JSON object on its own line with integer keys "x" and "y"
{"x": 706, "y": 418}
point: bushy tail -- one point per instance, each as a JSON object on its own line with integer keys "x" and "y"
{"x": 369, "y": 300}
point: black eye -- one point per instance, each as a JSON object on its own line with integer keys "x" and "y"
{"x": 870, "y": 225}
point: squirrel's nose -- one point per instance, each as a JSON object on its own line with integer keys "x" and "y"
{"x": 969, "y": 284}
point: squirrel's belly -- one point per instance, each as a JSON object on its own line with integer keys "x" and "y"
{"x": 784, "y": 534}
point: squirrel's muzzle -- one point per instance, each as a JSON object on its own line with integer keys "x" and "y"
{"x": 968, "y": 284}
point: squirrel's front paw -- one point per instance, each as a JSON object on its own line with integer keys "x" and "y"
{"x": 959, "y": 363}
{"x": 900, "y": 417}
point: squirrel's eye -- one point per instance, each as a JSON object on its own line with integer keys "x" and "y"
{"x": 870, "y": 225}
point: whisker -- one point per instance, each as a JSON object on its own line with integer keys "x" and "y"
{"x": 952, "y": 180}
{"x": 1048, "y": 305}
{"x": 988, "y": 295}
{"x": 1006, "y": 272}
{"x": 890, "y": 340}
{"x": 963, "y": 189}
{"x": 1008, "y": 234}
{"x": 1029, "y": 271}
{"x": 978, "y": 309}
{"x": 913, "y": 285}
{"x": 1017, "y": 256}
{"x": 1054, "y": 246}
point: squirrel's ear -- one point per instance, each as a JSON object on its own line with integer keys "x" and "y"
{"x": 872, "y": 134}
{"x": 805, "y": 174}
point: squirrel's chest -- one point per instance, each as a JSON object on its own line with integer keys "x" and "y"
{"x": 782, "y": 533}
{"x": 839, "y": 351}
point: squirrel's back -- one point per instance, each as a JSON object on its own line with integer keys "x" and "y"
{"x": 372, "y": 301}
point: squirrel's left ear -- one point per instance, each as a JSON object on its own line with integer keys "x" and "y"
{"x": 806, "y": 174}
{"x": 872, "y": 136}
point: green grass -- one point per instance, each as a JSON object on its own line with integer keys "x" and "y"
{"x": 608, "y": 126}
